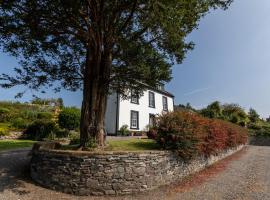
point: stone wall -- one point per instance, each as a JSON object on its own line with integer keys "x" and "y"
{"x": 112, "y": 173}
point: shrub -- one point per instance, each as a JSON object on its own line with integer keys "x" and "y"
{"x": 40, "y": 129}
{"x": 74, "y": 138}
{"x": 44, "y": 115}
{"x": 61, "y": 133}
{"x": 29, "y": 114}
{"x": 152, "y": 134}
{"x": 124, "y": 130}
{"x": 69, "y": 118}
{"x": 3, "y": 133}
{"x": 20, "y": 123}
{"x": 192, "y": 135}
{"x": 4, "y": 114}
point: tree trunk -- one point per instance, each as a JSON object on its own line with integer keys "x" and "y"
{"x": 95, "y": 90}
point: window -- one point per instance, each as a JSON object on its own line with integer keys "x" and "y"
{"x": 134, "y": 97}
{"x": 165, "y": 103}
{"x": 151, "y": 99}
{"x": 152, "y": 120}
{"x": 134, "y": 119}
{"x": 160, "y": 86}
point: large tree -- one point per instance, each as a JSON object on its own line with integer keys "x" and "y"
{"x": 97, "y": 46}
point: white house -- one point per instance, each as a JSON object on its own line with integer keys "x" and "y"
{"x": 138, "y": 113}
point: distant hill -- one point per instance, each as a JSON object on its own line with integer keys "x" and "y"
{"x": 17, "y": 116}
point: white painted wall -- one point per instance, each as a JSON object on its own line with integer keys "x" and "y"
{"x": 125, "y": 106}
{"x": 111, "y": 111}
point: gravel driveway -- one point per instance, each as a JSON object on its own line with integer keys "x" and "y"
{"x": 245, "y": 175}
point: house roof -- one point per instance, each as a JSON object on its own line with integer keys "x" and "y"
{"x": 159, "y": 91}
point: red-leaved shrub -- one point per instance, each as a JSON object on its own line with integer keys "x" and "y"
{"x": 192, "y": 135}
{"x": 152, "y": 134}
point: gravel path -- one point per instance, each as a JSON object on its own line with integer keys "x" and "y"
{"x": 245, "y": 175}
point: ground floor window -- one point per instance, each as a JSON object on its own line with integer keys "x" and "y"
{"x": 134, "y": 119}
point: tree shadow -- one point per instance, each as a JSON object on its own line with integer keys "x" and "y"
{"x": 15, "y": 171}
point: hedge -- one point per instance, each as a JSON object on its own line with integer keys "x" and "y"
{"x": 193, "y": 135}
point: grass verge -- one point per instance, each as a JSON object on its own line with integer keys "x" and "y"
{"x": 133, "y": 144}
{"x": 15, "y": 144}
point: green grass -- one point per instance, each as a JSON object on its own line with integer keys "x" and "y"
{"x": 132, "y": 145}
{"x": 14, "y": 144}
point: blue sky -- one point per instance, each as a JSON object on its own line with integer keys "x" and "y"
{"x": 230, "y": 62}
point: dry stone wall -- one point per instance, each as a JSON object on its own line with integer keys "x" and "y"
{"x": 113, "y": 173}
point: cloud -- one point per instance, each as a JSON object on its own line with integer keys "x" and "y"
{"x": 199, "y": 90}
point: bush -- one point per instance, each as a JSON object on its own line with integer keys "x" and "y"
{"x": 192, "y": 135}
{"x": 4, "y": 114}
{"x": 40, "y": 129}
{"x": 124, "y": 130}
{"x": 44, "y": 115}
{"x": 74, "y": 138}
{"x": 61, "y": 133}
{"x": 20, "y": 123}
{"x": 29, "y": 114}
{"x": 3, "y": 133}
{"x": 152, "y": 134}
{"x": 69, "y": 118}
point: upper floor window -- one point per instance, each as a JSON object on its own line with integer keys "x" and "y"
{"x": 151, "y": 99}
{"x": 160, "y": 86}
{"x": 134, "y": 97}
{"x": 134, "y": 119}
{"x": 165, "y": 103}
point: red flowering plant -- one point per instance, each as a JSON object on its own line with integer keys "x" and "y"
{"x": 192, "y": 135}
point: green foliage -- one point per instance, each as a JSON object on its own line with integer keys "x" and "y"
{"x": 144, "y": 39}
{"x": 61, "y": 133}
{"x": 192, "y": 135}
{"x": 40, "y": 129}
{"x": 4, "y": 114}
{"x": 253, "y": 115}
{"x": 69, "y": 118}
{"x": 213, "y": 110}
{"x": 3, "y": 133}
{"x": 74, "y": 138}
{"x": 19, "y": 115}
{"x": 123, "y": 131}
{"x": 19, "y": 123}
{"x": 229, "y": 112}
{"x": 44, "y": 115}
{"x": 30, "y": 115}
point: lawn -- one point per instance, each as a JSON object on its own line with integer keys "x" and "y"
{"x": 133, "y": 144}
{"x": 14, "y": 144}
